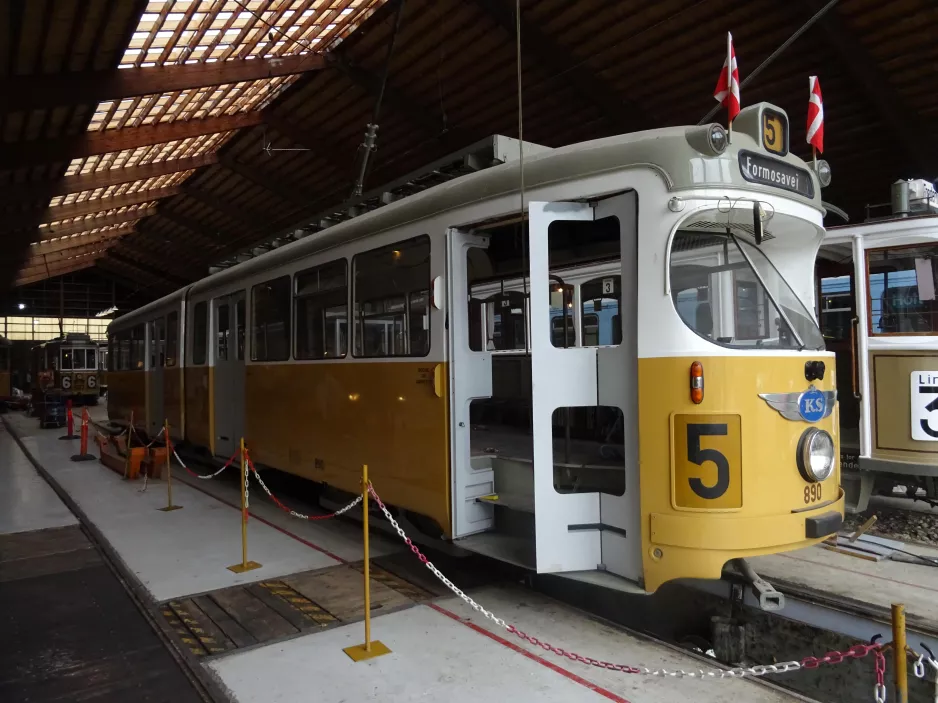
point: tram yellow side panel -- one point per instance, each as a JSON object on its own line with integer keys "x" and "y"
{"x": 199, "y": 402}
{"x": 126, "y": 393}
{"x": 763, "y": 506}
{"x": 172, "y": 399}
{"x": 323, "y": 421}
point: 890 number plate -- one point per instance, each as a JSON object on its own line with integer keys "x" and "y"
{"x": 812, "y": 493}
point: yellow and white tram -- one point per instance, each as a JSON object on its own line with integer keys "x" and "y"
{"x": 879, "y": 314}
{"x": 626, "y": 378}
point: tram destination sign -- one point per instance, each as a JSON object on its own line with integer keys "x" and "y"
{"x": 757, "y": 168}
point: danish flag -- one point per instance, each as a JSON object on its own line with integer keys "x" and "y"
{"x": 727, "y": 90}
{"x": 815, "y": 115}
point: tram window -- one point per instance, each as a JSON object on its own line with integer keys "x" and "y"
{"x": 91, "y": 362}
{"x": 200, "y": 333}
{"x": 67, "y": 355}
{"x": 172, "y": 338}
{"x": 239, "y": 330}
{"x": 137, "y": 348}
{"x": 222, "y": 316}
{"x": 321, "y": 311}
{"x": 902, "y": 288}
{"x": 124, "y": 351}
{"x": 392, "y": 315}
{"x": 270, "y": 320}
{"x": 836, "y": 306}
{"x": 735, "y": 300}
{"x": 600, "y": 321}
{"x": 561, "y": 316}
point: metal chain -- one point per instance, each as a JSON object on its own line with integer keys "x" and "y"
{"x": 246, "y": 462}
{"x": 855, "y": 652}
{"x": 152, "y": 441}
{"x": 879, "y": 690}
{"x": 203, "y": 476}
{"x": 294, "y": 513}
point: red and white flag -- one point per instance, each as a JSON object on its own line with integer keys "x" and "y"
{"x": 727, "y": 90}
{"x": 815, "y": 115}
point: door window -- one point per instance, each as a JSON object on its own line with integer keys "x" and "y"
{"x": 902, "y": 290}
{"x": 239, "y": 330}
{"x": 221, "y": 335}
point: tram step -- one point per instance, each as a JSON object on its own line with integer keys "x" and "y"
{"x": 511, "y": 501}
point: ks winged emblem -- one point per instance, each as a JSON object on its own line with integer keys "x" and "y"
{"x": 807, "y": 406}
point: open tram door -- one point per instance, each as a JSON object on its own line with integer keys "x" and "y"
{"x": 533, "y": 481}
{"x": 155, "y": 365}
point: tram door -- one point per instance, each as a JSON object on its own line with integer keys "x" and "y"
{"x": 156, "y": 362}
{"x": 228, "y": 316}
{"x": 584, "y": 530}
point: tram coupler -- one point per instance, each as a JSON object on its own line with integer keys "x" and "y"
{"x": 769, "y": 599}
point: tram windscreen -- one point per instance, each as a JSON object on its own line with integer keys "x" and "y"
{"x": 728, "y": 291}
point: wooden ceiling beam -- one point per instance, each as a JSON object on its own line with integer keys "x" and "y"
{"x": 263, "y": 179}
{"x": 160, "y": 278}
{"x": 202, "y": 233}
{"x": 66, "y": 243}
{"x": 88, "y": 224}
{"x": 623, "y": 114}
{"x": 39, "y": 260}
{"x": 40, "y": 190}
{"x": 244, "y": 219}
{"x": 904, "y": 125}
{"x": 33, "y": 153}
{"x": 57, "y": 270}
{"x": 93, "y": 205}
{"x": 37, "y": 92}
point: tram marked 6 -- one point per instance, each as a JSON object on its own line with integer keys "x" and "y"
{"x": 924, "y": 411}
{"x": 707, "y": 471}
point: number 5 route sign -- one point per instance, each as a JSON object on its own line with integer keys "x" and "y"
{"x": 707, "y": 469}
{"x": 925, "y": 406}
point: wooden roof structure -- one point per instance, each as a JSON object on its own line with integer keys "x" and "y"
{"x": 147, "y": 140}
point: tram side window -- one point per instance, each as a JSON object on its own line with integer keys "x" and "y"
{"x": 172, "y": 338}
{"x": 836, "y": 307}
{"x": 67, "y": 359}
{"x": 239, "y": 329}
{"x": 200, "y": 332}
{"x": 392, "y": 284}
{"x": 123, "y": 340}
{"x": 562, "y": 323}
{"x": 137, "y": 348}
{"x": 321, "y": 311}
{"x": 223, "y": 320}
{"x": 902, "y": 290}
{"x": 91, "y": 361}
{"x": 270, "y": 320}
{"x": 600, "y": 321}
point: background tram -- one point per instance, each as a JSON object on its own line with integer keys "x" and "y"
{"x": 496, "y": 372}
{"x": 878, "y": 311}
{"x": 67, "y": 367}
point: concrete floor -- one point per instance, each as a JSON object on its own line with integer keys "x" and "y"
{"x": 446, "y": 652}
{"x": 26, "y": 501}
{"x": 176, "y": 553}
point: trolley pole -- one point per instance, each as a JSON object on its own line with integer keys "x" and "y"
{"x": 169, "y": 472}
{"x": 900, "y": 655}
{"x": 369, "y": 649}
{"x": 245, "y": 565}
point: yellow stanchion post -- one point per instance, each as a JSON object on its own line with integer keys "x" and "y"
{"x": 900, "y": 655}
{"x": 169, "y": 473}
{"x": 245, "y": 565}
{"x": 368, "y": 649}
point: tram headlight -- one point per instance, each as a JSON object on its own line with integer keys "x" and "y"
{"x": 815, "y": 455}
{"x": 708, "y": 139}
{"x": 823, "y": 171}
{"x": 717, "y": 137}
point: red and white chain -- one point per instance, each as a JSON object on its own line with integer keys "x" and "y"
{"x": 294, "y": 513}
{"x": 918, "y": 668}
{"x": 152, "y": 441}
{"x": 856, "y": 651}
{"x": 204, "y": 476}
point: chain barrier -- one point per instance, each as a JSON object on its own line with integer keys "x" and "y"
{"x": 290, "y": 511}
{"x": 855, "y": 652}
{"x": 919, "y": 670}
{"x": 140, "y": 439}
{"x": 203, "y": 476}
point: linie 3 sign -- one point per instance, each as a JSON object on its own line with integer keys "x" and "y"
{"x": 925, "y": 406}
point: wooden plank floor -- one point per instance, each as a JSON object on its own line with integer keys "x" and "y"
{"x": 268, "y": 611}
